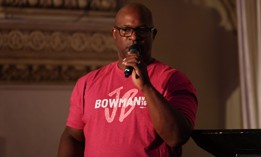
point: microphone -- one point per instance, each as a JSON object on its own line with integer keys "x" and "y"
{"x": 135, "y": 48}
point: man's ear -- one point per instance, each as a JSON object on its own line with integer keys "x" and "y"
{"x": 114, "y": 33}
{"x": 155, "y": 31}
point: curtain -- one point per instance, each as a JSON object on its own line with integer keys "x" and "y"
{"x": 249, "y": 41}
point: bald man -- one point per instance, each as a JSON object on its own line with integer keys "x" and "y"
{"x": 149, "y": 112}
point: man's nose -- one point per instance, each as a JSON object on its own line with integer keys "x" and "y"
{"x": 135, "y": 36}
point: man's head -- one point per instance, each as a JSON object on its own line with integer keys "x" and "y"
{"x": 134, "y": 24}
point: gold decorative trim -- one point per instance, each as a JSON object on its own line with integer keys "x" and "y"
{"x": 63, "y": 4}
{"x": 52, "y": 56}
{"x": 43, "y": 73}
{"x": 38, "y": 42}
{"x": 54, "y": 41}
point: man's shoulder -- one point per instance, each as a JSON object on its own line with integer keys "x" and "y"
{"x": 161, "y": 67}
{"x": 165, "y": 71}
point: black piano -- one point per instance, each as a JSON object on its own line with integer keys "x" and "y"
{"x": 229, "y": 142}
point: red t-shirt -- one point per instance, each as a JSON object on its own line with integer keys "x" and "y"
{"x": 114, "y": 115}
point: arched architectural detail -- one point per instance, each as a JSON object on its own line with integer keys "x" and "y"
{"x": 225, "y": 8}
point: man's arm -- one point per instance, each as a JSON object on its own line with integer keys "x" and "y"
{"x": 71, "y": 143}
{"x": 170, "y": 124}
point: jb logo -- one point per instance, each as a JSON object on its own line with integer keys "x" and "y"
{"x": 125, "y": 104}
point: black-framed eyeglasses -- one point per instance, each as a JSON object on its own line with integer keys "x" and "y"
{"x": 128, "y": 31}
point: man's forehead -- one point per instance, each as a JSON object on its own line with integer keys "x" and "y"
{"x": 132, "y": 16}
{"x": 129, "y": 18}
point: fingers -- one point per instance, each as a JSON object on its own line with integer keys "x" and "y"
{"x": 132, "y": 59}
{"x": 134, "y": 62}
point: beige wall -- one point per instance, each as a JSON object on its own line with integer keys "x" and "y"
{"x": 32, "y": 119}
{"x": 189, "y": 38}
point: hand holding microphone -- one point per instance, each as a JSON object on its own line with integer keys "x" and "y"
{"x": 135, "y": 48}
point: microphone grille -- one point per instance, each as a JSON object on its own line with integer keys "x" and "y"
{"x": 134, "y": 48}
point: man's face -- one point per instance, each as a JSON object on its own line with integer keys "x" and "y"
{"x": 131, "y": 27}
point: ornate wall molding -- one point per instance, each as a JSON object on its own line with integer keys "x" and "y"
{"x": 54, "y": 41}
{"x": 43, "y": 73}
{"x": 107, "y": 5}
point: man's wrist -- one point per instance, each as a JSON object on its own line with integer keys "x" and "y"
{"x": 147, "y": 87}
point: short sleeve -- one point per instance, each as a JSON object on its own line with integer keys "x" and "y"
{"x": 181, "y": 93}
{"x": 74, "y": 119}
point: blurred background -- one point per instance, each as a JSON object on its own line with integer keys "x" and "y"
{"x": 46, "y": 45}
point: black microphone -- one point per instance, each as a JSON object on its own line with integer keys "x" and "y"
{"x": 135, "y": 48}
